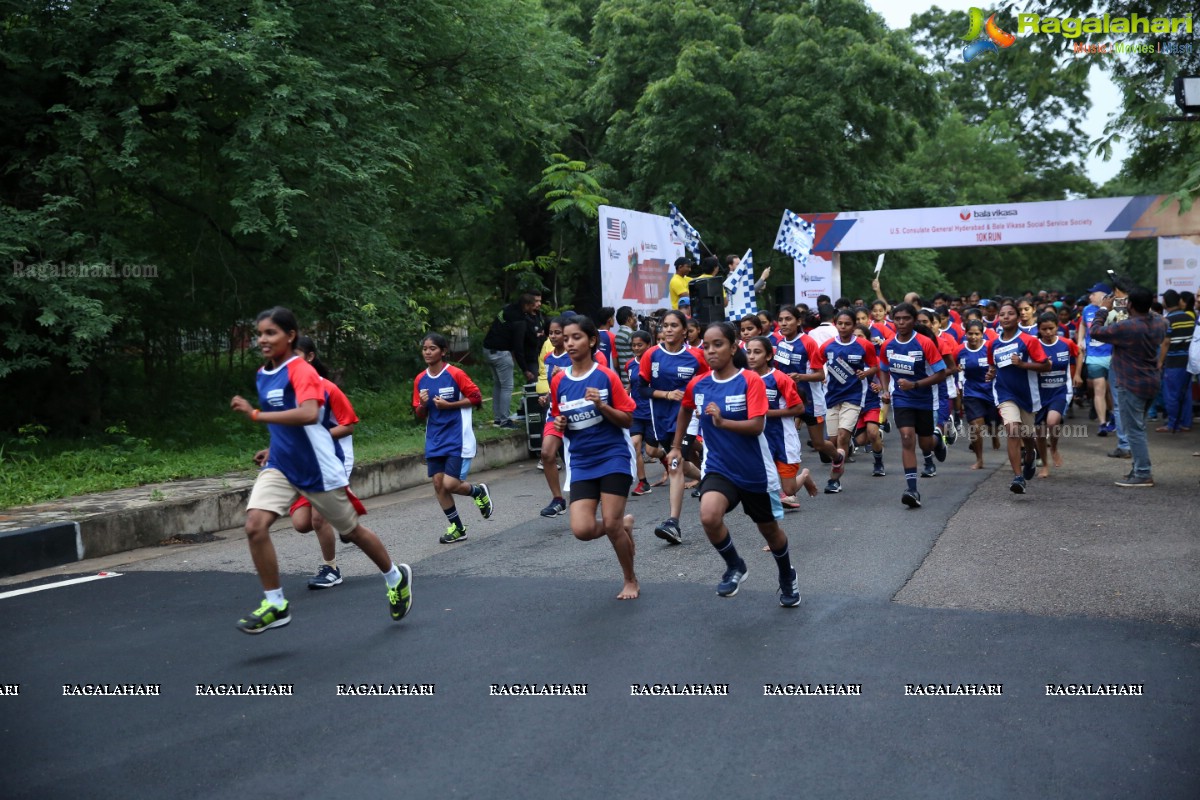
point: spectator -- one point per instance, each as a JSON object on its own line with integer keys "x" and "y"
{"x": 625, "y": 323}
{"x": 1177, "y": 381}
{"x": 512, "y": 340}
{"x": 1135, "y": 347}
{"x": 678, "y": 286}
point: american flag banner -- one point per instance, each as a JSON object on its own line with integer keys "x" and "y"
{"x": 682, "y": 230}
{"x": 795, "y": 237}
{"x": 614, "y": 228}
{"x": 740, "y": 285}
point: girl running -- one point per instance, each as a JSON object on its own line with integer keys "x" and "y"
{"x": 848, "y": 363}
{"x": 667, "y": 368}
{"x": 749, "y": 326}
{"x": 694, "y": 332}
{"x": 554, "y": 361}
{"x": 303, "y": 460}
{"x": 793, "y": 357}
{"x": 592, "y": 412}
{"x": 1027, "y": 317}
{"x": 443, "y": 396}
{"x": 1055, "y": 387}
{"x": 927, "y": 325}
{"x": 979, "y": 407}
{"x": 738, "y": 467}
{"x": 1013, "y": 358}
{"x": 868, "y": 432}
{"x": 783, "y": 406}
{"x": 913, "y": 365}
{"x": 339, "y": 418}
{"x": 639, "y": 342}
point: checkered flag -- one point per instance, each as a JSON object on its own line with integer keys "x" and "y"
{"x": 795, "y": 237}
{"x": 682, "y": 230}
{"x": 740, "y": 285}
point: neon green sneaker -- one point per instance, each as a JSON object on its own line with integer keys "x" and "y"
{"x": 400, "y": 595}
{"x": 453, "y": 534}
{"x": 265, "y": 617}
{"x": 484, "y": 501}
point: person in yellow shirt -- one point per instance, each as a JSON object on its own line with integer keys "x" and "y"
{"x": 679, "y": 282}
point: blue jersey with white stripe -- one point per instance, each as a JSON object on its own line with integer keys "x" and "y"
{"x": 592, "y": 446}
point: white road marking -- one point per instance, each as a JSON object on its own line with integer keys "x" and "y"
{"x": 58, "y": 584}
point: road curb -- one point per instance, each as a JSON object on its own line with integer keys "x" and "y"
{"x": 72, "y": 529}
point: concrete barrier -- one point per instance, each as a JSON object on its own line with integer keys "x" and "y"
{"x": 113, "y": 522}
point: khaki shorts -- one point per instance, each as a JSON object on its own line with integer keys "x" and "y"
{"x": 272, "y": 492}
{"x": 843, "y": 416}
{"x": 1011, "y": 412}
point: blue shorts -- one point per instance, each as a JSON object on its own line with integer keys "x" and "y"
{"x": 1098, "y": 366}
{"x": 640, "y": 427}
{"x": 1056, "y": 402}
{"x": 454, "y": 466}
{"x": 977, "y": 408}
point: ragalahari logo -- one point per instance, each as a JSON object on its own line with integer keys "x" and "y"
{"x": 984, "y": 37}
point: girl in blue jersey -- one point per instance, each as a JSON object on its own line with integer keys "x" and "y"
{"x": 750, "y": 326}
{"x": 979, "y": 408}
{"x": 1055, "y": 388}
{"x": 793, "y": 357}
{"x": 443, "y": 396}
{"x": 554, "y": 361}
{"x": 738, "y": 467}
{"x": 867, "y": 433}
{"x": 927, "y": 324}
{"x": 1013, "y": 358}
{"x": 667, "y": 368}
{"x": 847, "y": 363}
{"x": 1027, "y": 317}
{"x": 593, "y": 412}
{"x": 302, "y": 461}
{"x": 913, "y": 365}
{"x": 639, "y": 342}
{"x": 783, "y": 406}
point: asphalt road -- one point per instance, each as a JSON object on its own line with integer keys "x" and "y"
{"x": 522, "y": 602}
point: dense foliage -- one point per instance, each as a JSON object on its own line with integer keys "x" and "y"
{"x": 174, "y": 166}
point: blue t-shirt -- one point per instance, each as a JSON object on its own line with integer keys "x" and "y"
{"x": 448, "y": 431}
{"x": 744, "y": 460}
{"x": 1013, "y": 384}
{"x": 841, "y": 362}
{"x": 795, "y": 356}
{"x": 667, "y": 371}
{"x": 1094, "y": 349}
{"x": 1057, "y": 381}
{"x": 307, "y": 455}
{"x": 638, "y": 390}
{"x": 783, "y": 440}
{"x": 592, "y": 446}
{"x": 915, "y": 359}
{"x": 973, "y": 366}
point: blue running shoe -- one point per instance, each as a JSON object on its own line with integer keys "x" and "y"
{"x": 789, "y": 593}
{"x": 557, "y": 506}
{"x": 1018, "y": 485}
{"x": 733, "y": 576}
{"x": 325, "y": 578}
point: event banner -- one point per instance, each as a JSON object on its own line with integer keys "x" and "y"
{"x": 1002, "y": 223}
{"x": 637, "y": 257}
{"x": 814, "y": 277}
{"x": 1178, "y": 263}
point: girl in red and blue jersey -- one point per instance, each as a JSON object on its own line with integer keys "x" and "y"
{"x": 927, "y": 323}
{"x": 667, "y": 368}
{"x": 593, "y": 412}
{"x": 1014, "y": 358}
{"x": 738, "y": 467}
{"x": 1027, "y": 317}
{"x": 783, "y": 406}
{"x": 1055, "y": 387}
{"x": 913, "y": 365}
{"x": 303, "y": 460}
{"x": 867, "y": 432}
{"x": 443, "y": 396}
{"x": 979, "y": 407}
{"x": 750, "y": 326}
{"x": 848, "y": 363}
{"x": 554, "y": 361}
{"x": 639, "y": 342}
{"x": 606, "y": 339}
{"x": 793, "y": 357}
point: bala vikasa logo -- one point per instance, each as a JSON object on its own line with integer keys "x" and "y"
{"x": 984, "y": 37}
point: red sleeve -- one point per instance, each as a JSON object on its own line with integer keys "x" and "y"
{"x": 1034, "y": 346}
{"x": 612, "y": 340}
{"x": 645, "y": 367}
{"x": 816, "y": 358}
{"x": 417, "y": 390}
{"x": 618, "y": 397}
{"x": 1072, "y": 348}
{"x": 787, "y": 390}
{"x": 931, "y": 351}
{"x": 602, "y": 359}
{"x": 701, "y": 362}
{"x": 810, "y": 345}
{"x": 689, "y": 394}
{"x": 869, "y": 356}
{"x": 467, "y": 386}
{"x": 305, "y": 382}
{"x": 947, "y": 345}
{"x": 343, "y": 412}
{"x": 756, "y": 395}
{"x": 991, "y": 346}
{"x": 557, "y": 379}
{"x": 990, "y": 334}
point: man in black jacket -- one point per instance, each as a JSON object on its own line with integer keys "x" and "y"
{"x": 512, "y": 339}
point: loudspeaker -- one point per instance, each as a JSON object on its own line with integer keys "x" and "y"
{"x": 704, "y": 288}
{"x": 709, "y": 309}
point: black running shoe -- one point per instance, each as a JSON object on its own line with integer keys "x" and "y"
{"x": 669, "y": 532}
{"x": 911, "y": 498}
{"x": 265, "y": 617}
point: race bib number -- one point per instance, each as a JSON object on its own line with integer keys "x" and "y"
{"x": 579, "y": 414}
{"x": 903, "y": 365}
{"x": 839, "y": 370}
